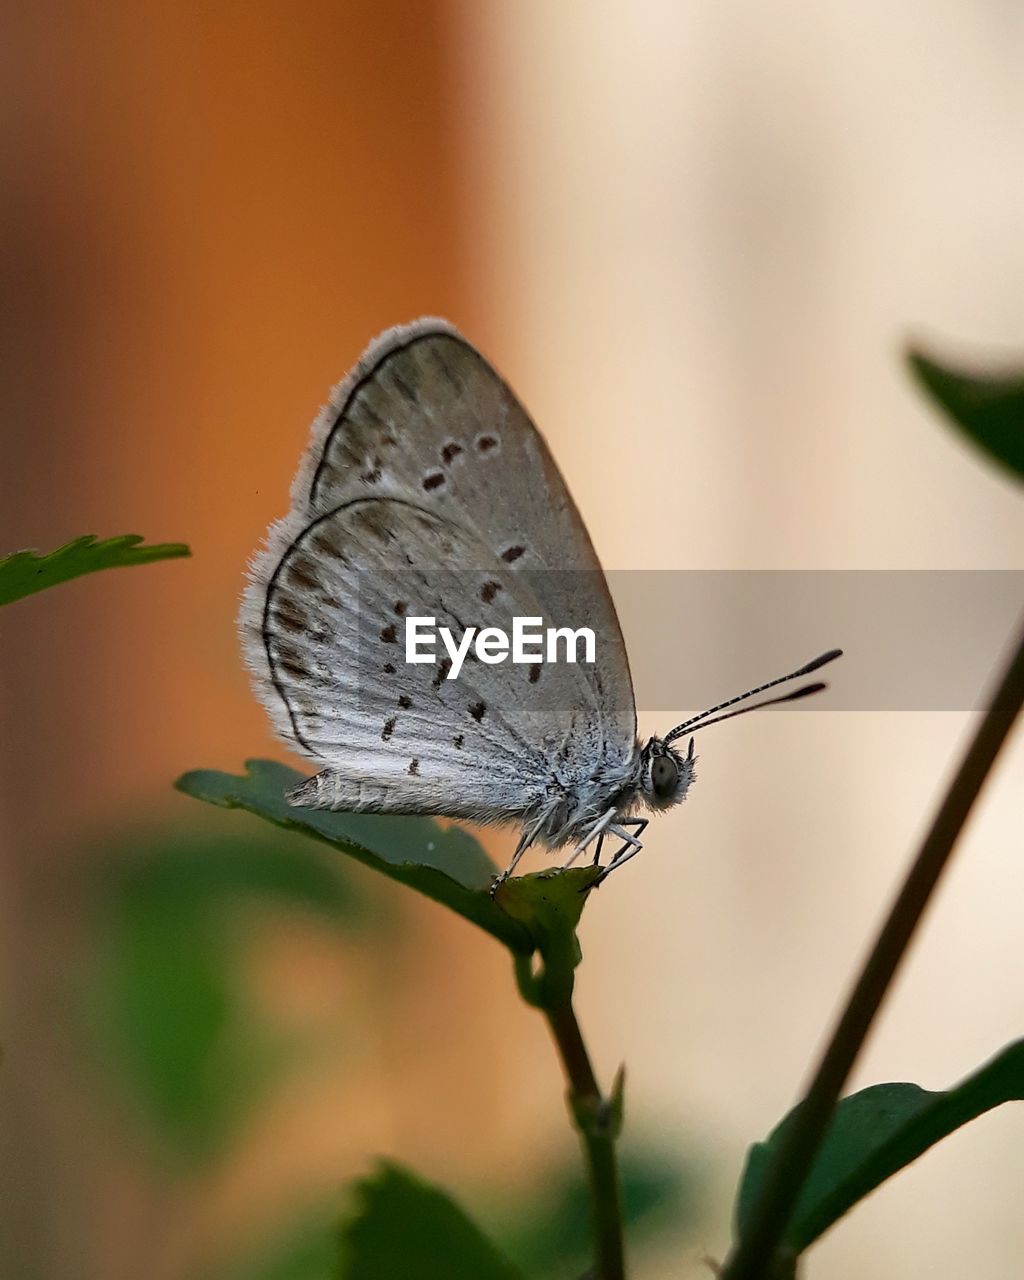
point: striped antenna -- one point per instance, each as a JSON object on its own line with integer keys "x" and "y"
{"x": 711, "y": 716}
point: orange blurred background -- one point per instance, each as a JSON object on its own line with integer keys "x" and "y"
{"x": 694, "y": 238}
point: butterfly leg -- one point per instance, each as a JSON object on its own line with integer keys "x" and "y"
{"x": 579, "y": 849}
{"x": 624, "y": 854}
{"x": 630, "y": 847}
{"x": 598, "y": 829}
{"x": 525, "y": 840}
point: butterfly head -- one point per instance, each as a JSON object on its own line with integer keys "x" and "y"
{"x": 665, "y": 774}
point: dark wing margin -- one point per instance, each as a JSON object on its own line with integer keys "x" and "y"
{"x": 371, "y": 367}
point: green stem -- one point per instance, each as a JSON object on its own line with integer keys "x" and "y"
{"x": 597, "y": 1118}
{"x": 756, "y": 1253}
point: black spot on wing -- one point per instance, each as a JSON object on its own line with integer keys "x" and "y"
{"x": 489, "y": 590}
{"x": 356, "y": 404}
{"x": 389, "y": 634}
{"x": 414, "y": 767}
{"x": 404, "y": 701}
{"x": 511, "y": 554}
{"x": 433, "y": 480}
{"x": 326, "y": 546}
{"x": 486, "y": 444}
{"x": 478, "y": 710}
{"x": 288, "y": 615}
{"x": 287, "y": 653}
{"x": 389, "y": 728}
{"x": 302, "y": 573}
{"x": 296, "y": 576}
{"x": 451, "y": 451}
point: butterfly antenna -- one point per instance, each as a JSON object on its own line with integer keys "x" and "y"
{"x": 711, "y": 716}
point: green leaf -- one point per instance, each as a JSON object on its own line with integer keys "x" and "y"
{"x": 549, "y": 904}
{"x": 447, "y": 865}
{"x": 989, "y": 410}
{"x": 26, "y": 572}
{"x": 874, "y": 1134}
{"x": 170, "y": 1015}
{"x": 405, "y": 1228}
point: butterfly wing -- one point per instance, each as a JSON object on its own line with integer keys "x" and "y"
{"x": 427, "y": 491}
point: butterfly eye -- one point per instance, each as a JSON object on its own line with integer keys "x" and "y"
{"x": 664, "y": 776}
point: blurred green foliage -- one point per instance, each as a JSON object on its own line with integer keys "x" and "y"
{"x": 308, "y": 1248}
{"x": 403, "y": 1226}
{"x": 170, "y": 1012}
{"x": 545, "y": 1235}
{"x": 988, "y": 409}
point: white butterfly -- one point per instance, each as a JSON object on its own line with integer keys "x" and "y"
{"x": 427, "y": 491}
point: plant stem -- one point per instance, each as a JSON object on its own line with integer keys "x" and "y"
{"x": 755, "y": 1255}
{"x": 597, "y": 1120}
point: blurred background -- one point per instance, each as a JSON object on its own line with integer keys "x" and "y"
{"x": 694, "y": 237}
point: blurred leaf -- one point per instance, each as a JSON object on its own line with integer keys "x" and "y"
{"x": 550, "y": 1234}
{"x": 988, "y": 409}
{"x": 217, "y": 864}
{"x": 874, "y": 1134}
{"x": 26, "y": 572}
{"x": 448, "y": 866}
{"x": 406, "y": 1229}
{"x": 308, "y": 1249}
{"x": 169, "y": 1006}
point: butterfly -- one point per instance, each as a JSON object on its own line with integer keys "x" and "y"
{"x": 426, "y": 492}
